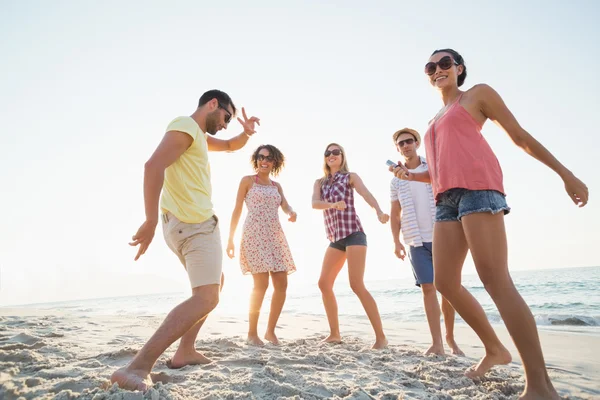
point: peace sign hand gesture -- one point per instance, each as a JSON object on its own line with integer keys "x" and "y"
{"x": 249, "y": 123}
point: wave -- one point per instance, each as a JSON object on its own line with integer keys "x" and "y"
{"x": 556, "y": 320}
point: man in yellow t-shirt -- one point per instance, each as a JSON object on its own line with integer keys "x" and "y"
{"x": 180, "y": 167}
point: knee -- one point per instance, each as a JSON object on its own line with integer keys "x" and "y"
{"x": 261, "y": 287}
{"x": 280, "y": 286}
{"x": 358, "y": 287}
{"x": 496, "y": 284}
{"x": 325, "y": 285}
{"x": 446, "y": 287}
{"x": 428, "y": 289}
{"x": 207, "y": 296}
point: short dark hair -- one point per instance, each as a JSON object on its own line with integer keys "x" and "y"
{"x": 278, "y": 158}
{"x": 459, "y": 59}
{"x": 221, "y": 97}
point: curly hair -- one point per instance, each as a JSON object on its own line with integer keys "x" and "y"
{"x": 278, "y": 158}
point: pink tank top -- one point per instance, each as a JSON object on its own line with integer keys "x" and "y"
{"x": 458, "y": 155}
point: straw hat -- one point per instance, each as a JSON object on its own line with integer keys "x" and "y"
{"x": 407, "y": 130}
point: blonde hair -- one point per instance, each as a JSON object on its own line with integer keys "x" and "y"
{"x": 343, "y": 167}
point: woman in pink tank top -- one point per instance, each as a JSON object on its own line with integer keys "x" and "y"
{"x": 470, "y": 207}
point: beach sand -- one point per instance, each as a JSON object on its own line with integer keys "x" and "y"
{"x": 45, "y": 355}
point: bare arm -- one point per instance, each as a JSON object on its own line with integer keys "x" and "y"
{"x": 493, "y": 107}
{"x": 173, "y": 145}
{"x": 239, "y": 141}
{"x": 317, "y": 203}
{"x": 284, "y": 204}
{"x": 233, "y": 144}
{"x": 245, "y": 185}
{"x": 361, "y": 189}
{"x": 401, "y": 172}
{"x": 395, "y": 221}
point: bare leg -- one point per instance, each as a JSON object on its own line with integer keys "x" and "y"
{"x": 449, "y": 315}
{"x": 486, "y": 236}
{"x": 186, "y": 353}
{"x": 261, "y": 283}
{"x": 432, "y": 311}
{"x": 449, "y": 252}
{"x": 280, "y": 282}
{"x": 136, "y": 375}
{"x": 332, "y": 265}
{"x": 357, "y": 256}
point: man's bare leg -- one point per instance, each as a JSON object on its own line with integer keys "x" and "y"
{"x": 186, "y": 353}
{"x": 136, "y": 375}
{"x": 449, "y": 315}
{"x": 432, "y": 311}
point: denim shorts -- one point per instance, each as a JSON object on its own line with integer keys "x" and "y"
{"x": 354, "y": 239}
{"x": 454, "y": 204}
{"x": 421, "y": 259}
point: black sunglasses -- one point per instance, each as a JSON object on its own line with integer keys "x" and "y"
{"x": 229, "y": 115}
{"x": 335, "y": 152}
{"x": 405, "y": 141}
{"x": 262, "y": 157}
{"x": 445, "y": 63}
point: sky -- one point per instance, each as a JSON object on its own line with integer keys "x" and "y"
{"x": 88, "y": 88}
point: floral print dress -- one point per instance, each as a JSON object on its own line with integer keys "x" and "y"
{"x": 264, "y": 247}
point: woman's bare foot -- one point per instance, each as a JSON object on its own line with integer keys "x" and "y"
{"x": 271, "y": 337}
{"x": 454, "y": 349}
{"x": 380, "y": 343}
{"x": 502, "y": 357}
{"x": 131, "y": 379}
{"x": 550, "y": 394}
{"x": 335, "y": 339}
{"x": 254, "y": 340}
{"x": 181, "y": 359}
{"x": 436, "y": 349}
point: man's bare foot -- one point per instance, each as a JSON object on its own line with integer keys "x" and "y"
{"x": 436, "y": 349}
{"x": 454, "y": 349}
{"x": 334, "y": 339}
{"x": 131, "y": 379}
{"x": 254, "y": 340}
{"x": 380, "y": 343}
{"x": 487, "y": 362}
{"x": 271, "y": 337}
{"x": 181, "y": 359}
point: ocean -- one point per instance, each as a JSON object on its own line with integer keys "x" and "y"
{"x": 563, "y": 299}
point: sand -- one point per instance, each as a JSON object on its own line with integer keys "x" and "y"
{"x": 45, "y": 355}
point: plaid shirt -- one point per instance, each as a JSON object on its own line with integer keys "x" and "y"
{"x": 340, "y": 223}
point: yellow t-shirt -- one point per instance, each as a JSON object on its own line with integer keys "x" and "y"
{"x": 187, "y": 190}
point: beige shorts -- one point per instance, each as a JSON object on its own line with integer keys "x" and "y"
{"x": 198, "y": 247}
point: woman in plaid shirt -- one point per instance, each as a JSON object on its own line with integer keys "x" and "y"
{"x": 334, "y": 194}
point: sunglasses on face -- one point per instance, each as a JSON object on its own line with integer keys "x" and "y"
{"x": 445, "y": 63}
{"x": 228, "y": 116}
{"x": 262, "y": 157}
{"x": 405, "y": 141}
{"x": 335, "y": 152}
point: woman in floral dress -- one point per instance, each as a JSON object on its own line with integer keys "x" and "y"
{"x": 264, "y": 249}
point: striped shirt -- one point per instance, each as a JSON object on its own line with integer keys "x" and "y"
{"x": 339, "y": 223}
{"x": 401, "y": 191}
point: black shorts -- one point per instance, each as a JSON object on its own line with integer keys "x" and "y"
{"x": 354, "y": 239}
